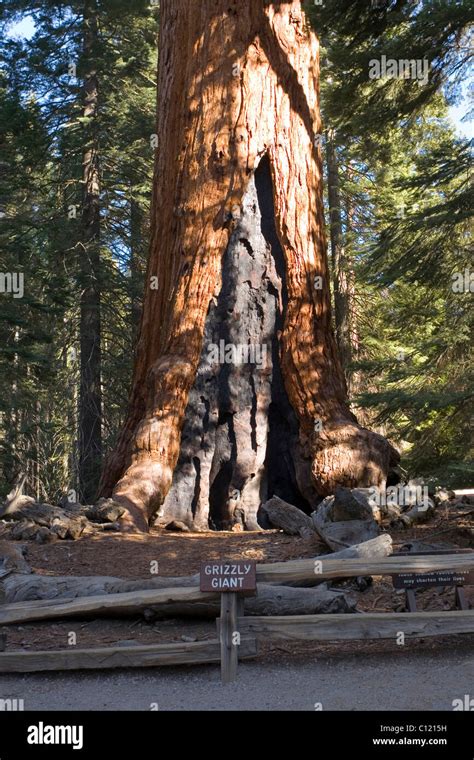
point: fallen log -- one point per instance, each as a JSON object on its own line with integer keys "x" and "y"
{"x": 284, "y": 600}
{"x": 179, "y": 602}
{"x": 190, "y": 601}
{"x": 417, "y": 514}
{"x": 288, "y": 518}
{"x": 19, "y": 588}
{"x": 129, "y": 603}
{"x": 105, "y": 658}
{"x": 381, "y": 546}
{"x": 16, "y": 497}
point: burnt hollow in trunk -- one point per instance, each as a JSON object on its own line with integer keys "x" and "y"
{"x": 239, "y": 443}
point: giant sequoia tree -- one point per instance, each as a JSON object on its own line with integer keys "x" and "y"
{"x": 238, "y": 391}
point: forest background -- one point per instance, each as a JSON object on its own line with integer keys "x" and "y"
{"x": 77, "y": 144}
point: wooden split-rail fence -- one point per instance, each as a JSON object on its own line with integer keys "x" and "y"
{"x": 238, "y": 635}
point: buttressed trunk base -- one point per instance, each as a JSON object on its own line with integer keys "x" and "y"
{"x": 238, "y": 391}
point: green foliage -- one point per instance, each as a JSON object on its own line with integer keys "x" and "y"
{"x": 43, "y": 134}
{"x": 406, "y": 212}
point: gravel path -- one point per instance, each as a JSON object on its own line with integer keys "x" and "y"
{"x": 414, "y": 681}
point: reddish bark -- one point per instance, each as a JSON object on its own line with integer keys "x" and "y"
{"x": 238, "y": 79}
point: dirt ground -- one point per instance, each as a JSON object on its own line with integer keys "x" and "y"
{"x": 132, "y": 556}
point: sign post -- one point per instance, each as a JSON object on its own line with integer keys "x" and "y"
{"x": 233, "y": 580}
{"x": 228, "y": 629}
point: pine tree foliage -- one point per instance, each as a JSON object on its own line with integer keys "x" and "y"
{"x": 406, "y": 207}
{"x": 45, "y": 133}
{"x": 406, "y": 210}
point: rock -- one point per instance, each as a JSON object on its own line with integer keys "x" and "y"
{"x": 12, "y": 559}
{"x": 288, "y": 518}
{"x": 442, "y": 496}
{"x": 340, "y": 533}
{"x": 324, "y": 509}
{"x": 3, "y": 641}
{"x": 23, "y": 530}
{"x": 59, "y": 530}
{"x": 57, "y": 522}
{"x": 354, "y": 504}
{"x": 106, "y": 510}
{"x": 346, "y": 533}
{"x": 26, "y": 530}
{"x": 65, "y": 523}
{"x": 45, "y": 536}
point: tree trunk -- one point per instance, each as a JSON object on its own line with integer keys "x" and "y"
{"x": 136, "y": 246}
{"x": 354, "y": 378}
{"x": 289, "y": 519}
{"x": 238, "y": 391}
{"x": 90, "y": 403}
{"x": 340, "y": 265}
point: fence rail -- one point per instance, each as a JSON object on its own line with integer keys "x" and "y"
{"x": 228, "y": 647}
{"x": 107, "y": 658}
{"x": 327, "y": 569}
{"x": 372, "y": 625}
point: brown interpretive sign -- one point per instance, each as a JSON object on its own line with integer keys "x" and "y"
{"x": 435, "y": 578}
{"x": 228, "y": 576}
{"x": 410, "y": 582}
